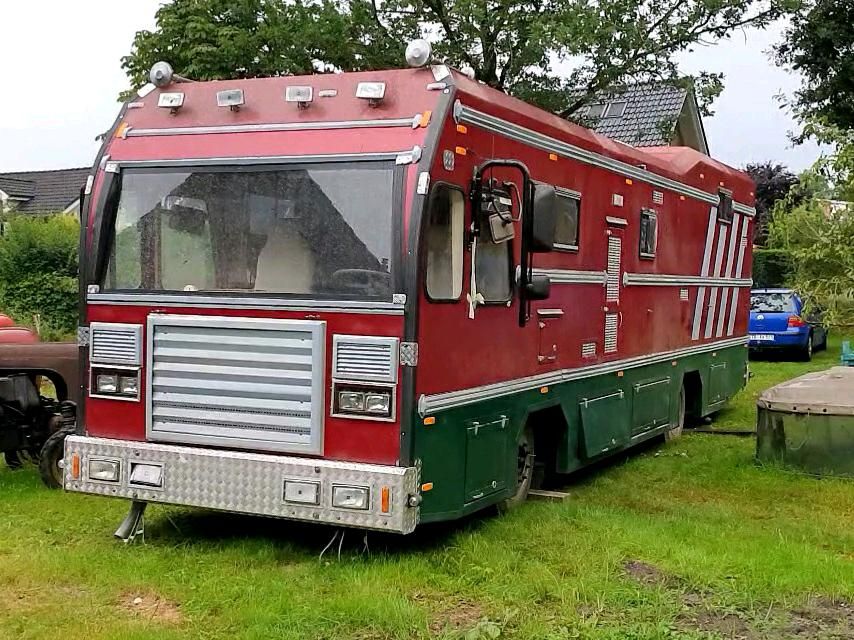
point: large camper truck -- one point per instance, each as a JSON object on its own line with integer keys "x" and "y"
{"x": 380, "y": 299}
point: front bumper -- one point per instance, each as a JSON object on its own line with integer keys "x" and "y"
{"x": 251, "y": 483}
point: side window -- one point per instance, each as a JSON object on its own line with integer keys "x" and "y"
{"x": 566, "y": 229}
{"x": 443, "y": 242}
{"x": 648, "y": 233}
{"x": 725, "y": 206}
{"x": 492, "y": 268}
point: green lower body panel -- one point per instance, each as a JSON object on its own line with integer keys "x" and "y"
{"x": 469, "y": 454}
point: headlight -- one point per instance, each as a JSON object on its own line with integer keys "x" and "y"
{"x": 129, "y": 385}
{"x": 104, "y": 470}
{"x": 107, "y": 383}
{"x": 351, "y": 497}
{"x": 351, "y": 401}
{"x": 378, "y": 403}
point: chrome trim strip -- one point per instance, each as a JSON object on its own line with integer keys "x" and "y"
{"x": 569, "y": 276}
{"x": 739, "y": 265}
{"x": 253, "y": 160}
{"x": 673, "y": 280}
{"x": 274, "y": 126}
{"x": 713, "y": 301}
{"x": 429, "y": 404}
{"x": 704, "y": 271}
{"x": 467, "y": 115}
{"x": 161, "y": 300}
{"x": 730, "y": 260}
{"x": 743, "y": 209}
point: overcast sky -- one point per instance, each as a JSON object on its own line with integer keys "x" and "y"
{"x": 60, "y": 71}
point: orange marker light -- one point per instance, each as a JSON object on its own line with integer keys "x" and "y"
{"x": 75, "y": 466}
{"x": 429, "y": 421}
{"x": 460, "y": 151}
{"x": 681, "y": 197}
{"x": 427, "y": 486}
{"x": 122, "y": 129}
{"x": 461, "y": 128}
{"x": 553, "y": 157}
{"x": 629, "y": 181}
{"x": 702, "y": 175}
{"x": 544, "y": 390}
{"x": 673, "y": 364}
{"x": 384, "y": 499}
{"x": 425, "y": 119}
{"x": 620, "y": 374}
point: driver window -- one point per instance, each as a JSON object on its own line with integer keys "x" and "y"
{"x": 443, "y": 243}
{"x": 492, "y": 267}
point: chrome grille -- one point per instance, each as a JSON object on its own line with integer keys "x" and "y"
{"x": 114, "y": 343}
{"x": 588, "y": 349}
{"x": 610, "y": 332}
{"x": 247, "y": 383}
{"x": 612, "y": 289}
{"x": 365, "y": 358}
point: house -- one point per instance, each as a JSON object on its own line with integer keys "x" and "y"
{"x": 41, "y": 192}
{"x": 648, "y": 115}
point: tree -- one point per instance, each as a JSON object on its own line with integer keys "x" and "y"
{"x": 819, "y": 45}
{"x": 518, "y": 46}
{"x": 773, "y": 183}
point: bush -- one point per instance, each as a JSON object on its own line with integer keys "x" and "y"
{"x": 38, "y": 273}
{"x": 772, "y": 267}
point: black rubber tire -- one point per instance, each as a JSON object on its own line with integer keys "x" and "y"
{"x": 675, "y": 431}
{"x": 524, "y": 471}
{"x": 823, "y": 345}
{"x": 51, "y": 454}
{"x": 807, "y": 350}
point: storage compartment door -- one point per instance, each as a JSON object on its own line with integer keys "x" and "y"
{"x": 650, "y": 405}
{"x": 604, "y": 422}
{"x": 717, "y": 383}
{"x": 486, "y": 457}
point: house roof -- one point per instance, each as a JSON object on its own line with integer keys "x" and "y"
{"x": 44, "y": 191}
{"x": 646, "y": 115}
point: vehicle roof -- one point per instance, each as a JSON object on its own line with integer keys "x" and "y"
{"x": 772, "y": 290}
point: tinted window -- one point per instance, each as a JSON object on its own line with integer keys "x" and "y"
{"x": 443, "y": 243}
{"x": 492, "y": 265}
{"x": 648, "y": 232}
{"x": 566, "y": 228}
{"x": 772, "y": 302}
{"x": 321, "y": 229}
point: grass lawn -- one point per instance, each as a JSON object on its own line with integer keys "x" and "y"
{"x": 688, "y": 540}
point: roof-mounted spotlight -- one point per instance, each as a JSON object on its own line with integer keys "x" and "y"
{"x": 418, "y": 53}
{"x": 373, "y": 92}
{"x": 302, "y": 95}
{"x": 231, "y": 98}
{"x": 172, "y": 101}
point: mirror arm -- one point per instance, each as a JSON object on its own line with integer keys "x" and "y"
{"x": 526, "y": 262}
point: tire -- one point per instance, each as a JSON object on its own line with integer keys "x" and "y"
{"x": 823, "y": 345}
{"x": 524, "y": 471}
{"x": 51, "y": 454}
{"x": 807, "y": 350}
{"x": 676, "y": 430}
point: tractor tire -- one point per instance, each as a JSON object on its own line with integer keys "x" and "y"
{"x": 51, "y": 454}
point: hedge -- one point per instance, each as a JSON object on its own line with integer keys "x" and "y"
{"x": 772, "y": 267}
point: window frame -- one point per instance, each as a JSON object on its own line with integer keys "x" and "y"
{"x": 571, "y": 195}
{"x": 511, "y": 269}
{"x": 607, "y": 113}
{"x": 434, "y": 188}
{"x": 648, "y": 213}
{"x": 726, "y": 212}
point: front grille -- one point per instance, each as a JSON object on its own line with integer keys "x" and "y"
{"x": 114, "y": 343}
{"x": 237, "y": 382}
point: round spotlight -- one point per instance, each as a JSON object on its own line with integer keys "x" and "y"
{"x": 418, "y": 53}
{"x": 161, "y": 74}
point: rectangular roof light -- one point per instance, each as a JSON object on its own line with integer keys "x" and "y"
{"x": 300, "y": 94}
{"x": 174, "y": 100}
{"x": 373, "y": 91}
{"x": 231, "y": 98}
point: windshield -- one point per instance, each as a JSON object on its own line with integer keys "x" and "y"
{"x": 318, "y": 229}
{"x": 772, "y": 302}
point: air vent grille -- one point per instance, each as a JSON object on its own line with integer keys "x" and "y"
{"x": 612, "y": 290}
{"x": 588, "y": 350}
{"x": 683, "y": 293}
{"x": 112, "y": 343}
{"x": 610, "y": 333}
{"x": 369, "y": 358}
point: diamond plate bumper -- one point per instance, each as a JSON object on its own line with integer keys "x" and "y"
{"x": 249, "y": 483}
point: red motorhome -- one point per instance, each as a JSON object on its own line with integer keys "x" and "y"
{"x": 382, "y": 298}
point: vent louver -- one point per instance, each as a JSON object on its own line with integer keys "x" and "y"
{"x": 610, "y": 333}
{"x": 365, "y": 358}
{"x": 113, "y": 343}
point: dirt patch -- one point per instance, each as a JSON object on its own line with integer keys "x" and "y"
{"x": 644, "y": 573}
{"x": 456, "y": 615}
{"x": 723, "y": 625}
{"x": 822, "y": 618}
{"x": 151, "y": 606}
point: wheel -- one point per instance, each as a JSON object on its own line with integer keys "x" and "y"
{"x": 13, "y": 460}
{"x": 524, "y": 471}
{"x": 823, "y": 345}
{"x": 676, "y": 430}
{"x": 51, "y": 454}
{"x": 807, "y": 349}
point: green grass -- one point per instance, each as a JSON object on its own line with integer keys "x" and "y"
{"x": 689, "y": 540}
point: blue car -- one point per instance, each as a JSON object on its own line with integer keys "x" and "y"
{"x": 777, "y": 323}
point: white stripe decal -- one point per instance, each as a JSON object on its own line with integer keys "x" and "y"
{"x": 713, "y": 300}
{"x": 428, "y": 404}
{"x": 742, "y": 245}
{"x": 730, "y": 261}
{"x": 704, "y": 271}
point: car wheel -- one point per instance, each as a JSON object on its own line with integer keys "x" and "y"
{"x": 524, "y": 471}
{"x": 676, "y": 430}
{"x": 807, "y": 349}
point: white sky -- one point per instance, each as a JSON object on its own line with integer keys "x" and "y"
{"x": 60, "y": 70}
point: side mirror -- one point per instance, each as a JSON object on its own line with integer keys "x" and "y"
{"x": 544, "y": 219}
{"x": 539, "y": 288}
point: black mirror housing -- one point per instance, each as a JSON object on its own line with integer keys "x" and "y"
{"x": 544, "y": 219}
{"x": 539, "y": 288}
